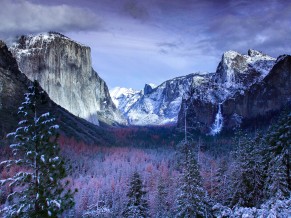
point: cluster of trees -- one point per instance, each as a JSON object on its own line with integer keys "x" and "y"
{"x": 137, "y": 182}
{"x": 36, "y": 188}
{"x": 259, "y": 169}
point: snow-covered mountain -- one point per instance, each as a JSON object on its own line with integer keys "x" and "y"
{"x": 156, "y": 105}
{"x": 240, "y": 92}
{"x": 124, "y": 98}
{"x": 204, "y": 94}
{"x": 64, "y": 70}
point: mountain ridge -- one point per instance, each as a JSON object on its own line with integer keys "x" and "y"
{"x": 235, "y": 74}
{"x": 63, "y": 68}
{"x": 13, "y": 86}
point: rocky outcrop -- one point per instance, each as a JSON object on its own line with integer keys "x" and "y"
{"x": 148, "y": 88}
{"x": 238, "y": 70}
{"x": 64, "y": 70}
{"x": 245, "y": 89}
{"x": 264, "y": 98}
{"x": 13, "y": 86}
{"x": 124, "y": 98}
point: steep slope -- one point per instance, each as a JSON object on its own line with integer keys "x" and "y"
{"x": 247, "y": 88}
{"x": 13, "y": 85}
{"x": 157, "y": 105}
{"x": 124, "y": 98}
{"x": 261, "y": 99}
{"x": 64, "y": 70}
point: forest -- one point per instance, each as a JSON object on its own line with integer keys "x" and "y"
{"x": 167, "y": 173}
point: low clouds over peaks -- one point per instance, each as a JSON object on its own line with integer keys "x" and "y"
{"x": 19, "y": 17}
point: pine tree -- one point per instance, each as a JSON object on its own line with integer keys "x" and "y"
{"x": 191, "y": 200}
{"x": 38, "y": 190}
{"x": 221, "y": 183}
{"x": 248, "y": 173}
{"x": 161, "y": 203}
{"x": 278, "y": 182}
{"x": 137, "y": 205}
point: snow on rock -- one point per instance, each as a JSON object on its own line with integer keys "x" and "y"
{"x": 156, "y": 105}
{"x": 124, "y": 98}
{"x": 238, "y": 71}
{"x": 63, "y": 68}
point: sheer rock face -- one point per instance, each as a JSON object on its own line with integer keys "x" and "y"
{"x": 250, "y": 88}
{"x": 64, "y": 70}
{"x": 264, "y": 98}
{"x": 13, "y": 86}
{"x": 238, "y": 70}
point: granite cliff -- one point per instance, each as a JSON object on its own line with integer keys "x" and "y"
{"x": 246, "y": 90}
{"x": 13, "y": 86}
{"x": 64, "y": 70}
{"x": 243, "y": 89}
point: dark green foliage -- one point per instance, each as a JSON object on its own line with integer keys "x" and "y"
{"x": 37, "y": 190}
{"x": 221, "y": 183}
{"x": 278, "y": 183}
{"x": 161, "y": 203}
{"x": 191, "y": 198}
{"x": 137, "y": 205}
{"x": 247, "y": 178}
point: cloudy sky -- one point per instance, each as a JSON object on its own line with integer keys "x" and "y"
{"x": 135, "y": 42}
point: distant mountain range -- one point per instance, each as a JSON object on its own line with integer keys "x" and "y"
{"x": 243, "y": 89}
{"x": 208, "y": 96}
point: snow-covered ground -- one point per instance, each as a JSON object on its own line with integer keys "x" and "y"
{"x": 270, "y": 209}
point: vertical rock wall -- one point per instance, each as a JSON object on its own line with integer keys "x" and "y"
{"x": 64, "y": 70}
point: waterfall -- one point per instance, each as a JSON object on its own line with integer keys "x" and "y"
{"x": 218, "y": 123}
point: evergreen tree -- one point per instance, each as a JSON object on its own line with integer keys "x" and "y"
{"x": 191, "y": 199}
{"x": 278, "y": 182}
{"x": 161, "y": 203}
{"x": 137, "y": 205}
{"x": 221, "y": 183}
{"x": 248, "y": 173}
{"x": 37, "y": 189}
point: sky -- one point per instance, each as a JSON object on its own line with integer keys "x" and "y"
{"x": 134, "y": 42}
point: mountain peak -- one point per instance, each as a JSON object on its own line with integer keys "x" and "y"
{"x": 148, "y": 88}
{"x": 40, "y": 40}
{"x": 230, "y": 54}
{"x": 253, "y": 53}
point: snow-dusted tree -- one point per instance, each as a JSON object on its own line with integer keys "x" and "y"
{"x": 191, "y": 199}
{"x": 221, "y": 183}
{"x": 137, "y": 205}
{"x": 248, "y": 172}
{"x": 37, "y": 190}
{"x": 162, "y": 206}
{"x": 278, "y": 182}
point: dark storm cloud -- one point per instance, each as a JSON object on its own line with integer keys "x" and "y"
{"x": 156, "y": 37}
{"x": 136, "y": 10}
{"x": 19, "y": 17}
{"x": 239, "y": 25}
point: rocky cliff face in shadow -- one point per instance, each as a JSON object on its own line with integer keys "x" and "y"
{"x": 249, "y": 88}
{"x": 261, "y": 99}
{"x": 64, "y": 70}
{"x": 13, "y": 85}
